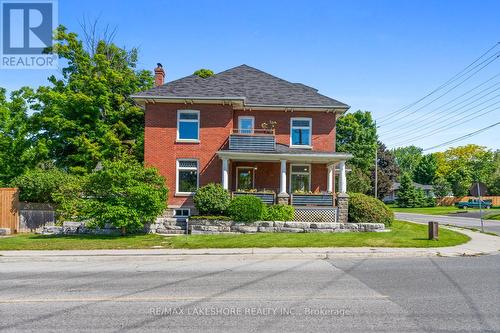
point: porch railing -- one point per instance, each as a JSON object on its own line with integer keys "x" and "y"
{"x": 268, "y": 198}
{"x": 252, "y": 139}
{"x": 323, "y": 200}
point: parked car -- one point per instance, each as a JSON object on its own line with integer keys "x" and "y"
{"x": 474, "y": 203}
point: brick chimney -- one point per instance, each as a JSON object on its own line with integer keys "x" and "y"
{"x": 159, "y": 75}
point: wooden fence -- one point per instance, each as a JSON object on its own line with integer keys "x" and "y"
{"x": 9, "y": 209}
{"x": 450, "y": 201}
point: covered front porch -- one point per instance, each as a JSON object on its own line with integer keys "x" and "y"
{"x": 296, "y": 177}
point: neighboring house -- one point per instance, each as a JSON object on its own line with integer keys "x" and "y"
{"x": 393, "y": 194}
{"x": 245, "y": 129}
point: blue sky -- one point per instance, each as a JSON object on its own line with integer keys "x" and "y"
{"x": 373, "y": 55}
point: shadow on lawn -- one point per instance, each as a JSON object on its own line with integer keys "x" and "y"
{"x": 84, "y": 237}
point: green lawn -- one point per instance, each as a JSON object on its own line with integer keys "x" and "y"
{"x": 490, "y": 214}
{"x": 402, "y": 234}
{"x": 494, "y": 216}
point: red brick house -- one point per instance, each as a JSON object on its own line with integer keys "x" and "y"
{"x": 245, "y": 129}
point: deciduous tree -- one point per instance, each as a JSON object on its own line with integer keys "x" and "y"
{"x": 87, "y": 116}
{"x": 356, "y": 134}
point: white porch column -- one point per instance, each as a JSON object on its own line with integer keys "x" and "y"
{"x": 329, "y": 180}
{"x": 342, "y": 178}
{"x": 283, "y": 177}
{"x": 225, "y": 174}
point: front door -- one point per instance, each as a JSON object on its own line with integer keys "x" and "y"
{"x": 245, "y": 178}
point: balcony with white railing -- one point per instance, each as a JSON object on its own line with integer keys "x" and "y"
{"x": 252, "y": 140}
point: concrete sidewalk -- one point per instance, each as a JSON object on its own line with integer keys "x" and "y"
{"x": 479, "y": 244}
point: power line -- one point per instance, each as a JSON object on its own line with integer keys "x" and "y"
{"x": 463, "y": 137}
{"x": 440, "y": 87}
{"x": 489, "y": 60}
{"x": 451, "y": 125}
{"x": 439, "y": 121}
{"x": 425, "y": 117}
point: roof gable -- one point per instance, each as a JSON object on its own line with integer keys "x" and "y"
{"x": 254, "y": 86}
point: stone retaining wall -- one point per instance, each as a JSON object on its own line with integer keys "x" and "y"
{"x": 217, "y": 227}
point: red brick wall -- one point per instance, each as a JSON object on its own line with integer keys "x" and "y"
{"x": 162, "y": 151}
{"x": 323, "y": 126}
{"x": 267, "y": 175}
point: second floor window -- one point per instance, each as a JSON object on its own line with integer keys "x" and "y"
{"x": 188, "y": 125}
{"x": 300, "y": 132}
{"x": 246, "y": 124}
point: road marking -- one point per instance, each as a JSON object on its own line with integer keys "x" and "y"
{"x": 186, "y": 298}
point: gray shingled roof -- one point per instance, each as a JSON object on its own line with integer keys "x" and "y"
{"x": 256, "y": 86}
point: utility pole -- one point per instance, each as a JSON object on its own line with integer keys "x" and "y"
{"x": 376, "y": 166}
{"x": 480, "y": 206}
{"x": 376, "y": 172}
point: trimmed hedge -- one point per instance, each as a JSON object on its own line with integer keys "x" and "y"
{"x": 279, "y": 213}
{"x": 211, "y": 199}
{"x": 366, "y": 209}
{"x": 210, "y": 217}
{"x": 246, "y": 208}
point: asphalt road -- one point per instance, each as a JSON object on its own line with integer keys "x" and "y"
{"x": 245, "y": 294}
{"x": 489, "y": 225}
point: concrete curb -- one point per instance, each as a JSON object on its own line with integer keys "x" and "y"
{"x": 479, "y": 244}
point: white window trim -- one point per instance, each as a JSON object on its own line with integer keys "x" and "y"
{"x": 299, "y": 173}
{"x": 179, "y": 112}
{"x": 252, "y": 118}
{"x": 245, "y": 167}
{"x": 175, "y": 209}
{"x": 177, "y": 193}
{"x": 301, "y": 127}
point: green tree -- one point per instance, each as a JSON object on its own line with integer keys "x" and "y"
{"x": 463, "y": 165}
{"x": 425, "y": 172}
{"x": 39, "y": 185}
{"x": 87, "y": 115}
{"x": 441, "y": 187}
{"x": 358, "y": 181}
{"x": 122, "y": 193}
{"x": 204, "y": 73}
{"x": 18, "y": 149}
{"x": 408, "y": 158}
{"x": 408, "y": 195}
{"x": 357, "y": 134}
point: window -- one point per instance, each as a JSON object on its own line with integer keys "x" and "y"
{"x": 188, "y": 125}
{"x": 300, "y": 132}
{"x": 182, "y": 212}
{"x": 300, "y": 178}
{"x": 244, "y": 178}
{"x": 187, "y": 176}
{"x": 246, "y": 124}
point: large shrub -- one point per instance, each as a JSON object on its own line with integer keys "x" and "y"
{"x": 40, "y": 185}
{"x": 279, "y": 213}
{"x": 366, "y": 209}
{"x": 246, "y": 208}
{"x": 123, "y": 193}
{"x": 211, "y": 199}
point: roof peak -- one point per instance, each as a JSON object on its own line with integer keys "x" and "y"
{"x": 255, "y": 85}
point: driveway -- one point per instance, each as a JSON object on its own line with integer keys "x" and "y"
{"x": 239, "y": 294}
{"x": 467, "y": 222}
